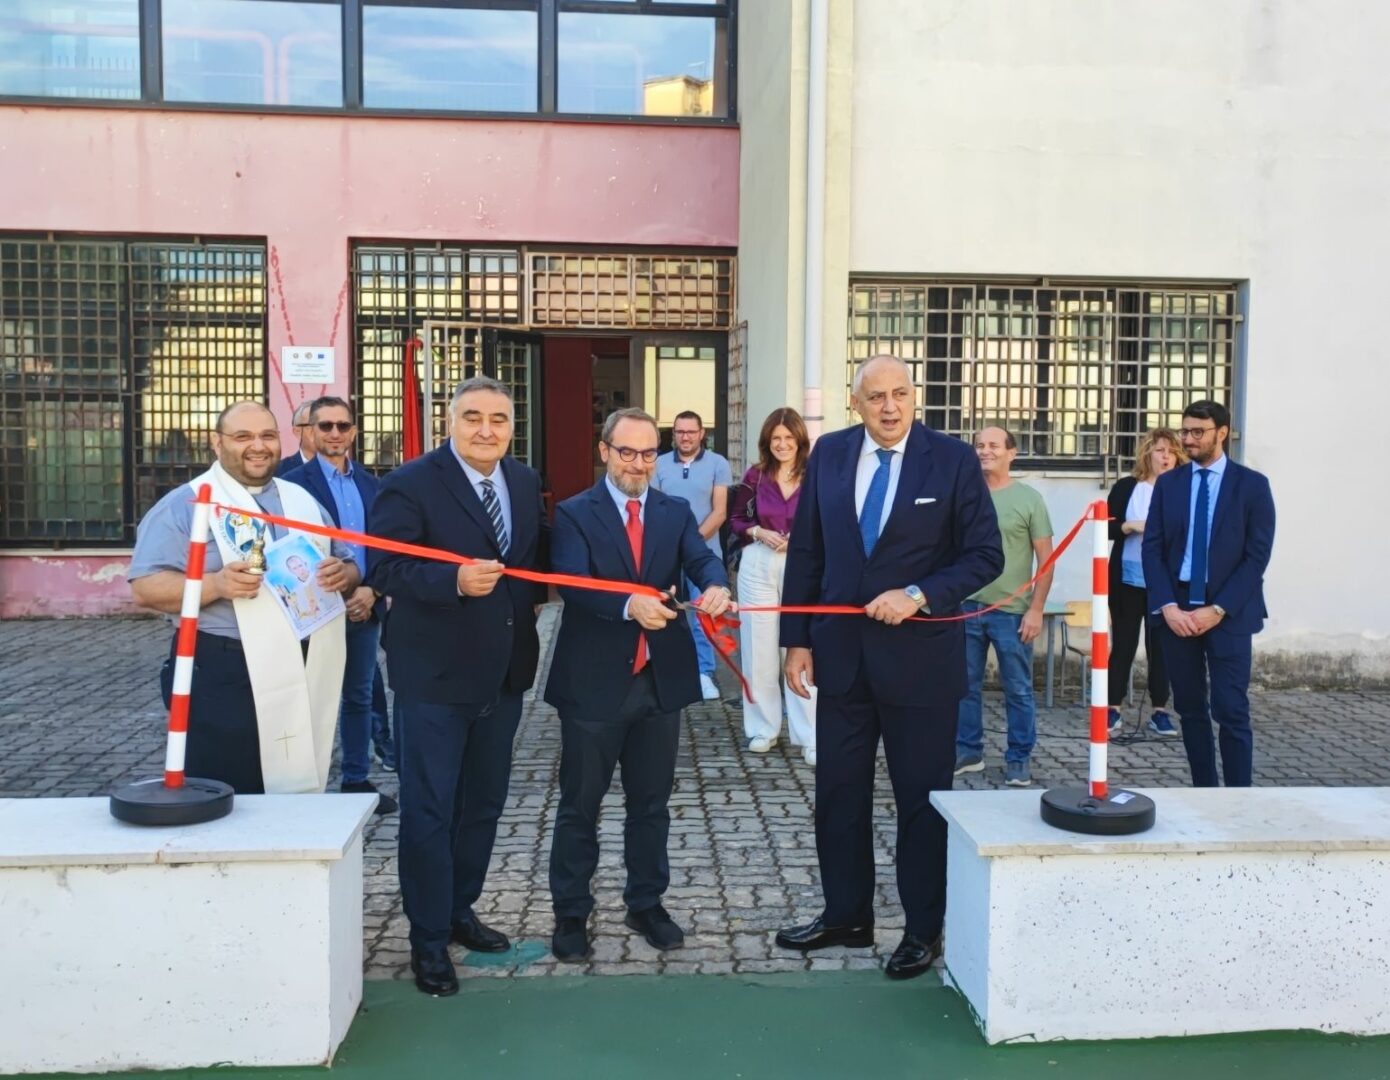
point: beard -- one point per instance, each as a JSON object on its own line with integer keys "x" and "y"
{"x": 631, "y": 486}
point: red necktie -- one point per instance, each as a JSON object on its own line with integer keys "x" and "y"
{"x": 634, "y": 539}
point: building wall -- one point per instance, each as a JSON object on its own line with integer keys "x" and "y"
{"x": 1246, "y": 140}
{"x": 310, "y": 185}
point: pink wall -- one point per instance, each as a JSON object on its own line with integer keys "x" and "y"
{"x": 310, "y": 184}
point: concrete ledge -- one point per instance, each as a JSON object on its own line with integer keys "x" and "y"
{"x": 237, "y": 942}
{"x": 1241, "y": 910}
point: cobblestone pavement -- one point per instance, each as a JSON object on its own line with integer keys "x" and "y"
{"x": 80, "y": 710}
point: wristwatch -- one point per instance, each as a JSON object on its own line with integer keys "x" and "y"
{"x": 1219, "y": 610}
{"x": 918, "y": 597}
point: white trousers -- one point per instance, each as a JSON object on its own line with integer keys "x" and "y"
{"x": 760, "y": 582}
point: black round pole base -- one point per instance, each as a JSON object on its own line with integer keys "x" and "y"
{"x": 1118, "y": 814}
{"x": 149, "y": 802}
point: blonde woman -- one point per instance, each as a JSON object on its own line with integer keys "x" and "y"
{"x": 763, "y": 509}
{"x": 1160, "y": 451}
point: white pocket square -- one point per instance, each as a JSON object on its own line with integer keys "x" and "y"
{"x": 922, "y": 502}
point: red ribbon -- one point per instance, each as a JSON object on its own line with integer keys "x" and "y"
{"x": 720, "y": 630}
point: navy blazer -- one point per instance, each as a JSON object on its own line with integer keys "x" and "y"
{"x": 941, "y": 535}
{"x": 289, "y": 463}
{"x": 441, "y": 647}
{"x": 592, "y": 668}
{"x": 1242, "y": 536}
{"x": 309, "y": 475}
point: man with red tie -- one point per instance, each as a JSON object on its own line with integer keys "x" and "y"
{"x": 624, "y": 667}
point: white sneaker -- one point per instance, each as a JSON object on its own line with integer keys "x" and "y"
{"x": 809, "y": 754}
{"x": 761, "y": 745}
{"x": 708, "y": 690}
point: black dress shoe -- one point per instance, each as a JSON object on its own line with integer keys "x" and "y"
{"x": 473, "y": 935}
{"x": 912, "y": 957}
{"x": 656, "y": 926}
{"x": 816, "y": 935}
{"x": 570, "y": 942}
{"x": 384, "y": 803}
{"x": 434, "y": 972}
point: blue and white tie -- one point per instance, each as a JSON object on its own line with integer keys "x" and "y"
{"x": 493, "y": 505}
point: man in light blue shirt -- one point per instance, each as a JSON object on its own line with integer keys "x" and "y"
{"x": 348, "y": 491}
{"x": 702, "y": 478}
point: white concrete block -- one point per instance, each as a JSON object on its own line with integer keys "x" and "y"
{"x": 1241, "y": 910}
{"x": 238, "y": 941}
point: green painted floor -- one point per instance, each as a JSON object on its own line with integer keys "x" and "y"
{"x": 821, "y": 1024}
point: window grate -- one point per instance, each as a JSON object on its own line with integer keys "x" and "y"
{"x": 616, "y": 291}
{"x": 1077, "y": 372}
{"x": 115, "y": 358}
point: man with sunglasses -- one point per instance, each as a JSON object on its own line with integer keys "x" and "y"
{"x": 623, "y": 669}
{"x": 304, "y": 432}
{"x": 348, "y": 492}
{"x": 1207, "y": 542}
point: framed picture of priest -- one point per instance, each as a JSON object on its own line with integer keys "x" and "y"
{"x": 290, "y": 566}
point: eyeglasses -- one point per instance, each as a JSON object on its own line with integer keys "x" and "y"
{"x": 1196, "y": 432}
{"x": 627, "y": 453}
{"x": 342, "y": 426}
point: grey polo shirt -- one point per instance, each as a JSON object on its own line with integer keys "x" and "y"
{"x": 161, "y": 543}
{"x": 694, "y": 481}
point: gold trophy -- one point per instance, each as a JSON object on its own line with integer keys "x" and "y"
{"x": 255, "y": 558}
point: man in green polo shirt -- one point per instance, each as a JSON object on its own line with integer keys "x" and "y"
{"x": 1026, "y": 531}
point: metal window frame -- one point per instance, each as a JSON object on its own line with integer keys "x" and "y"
{"x": 1127, "y": 347}
{"x": 151, "y": 43}
{"x": 210, "y": 292}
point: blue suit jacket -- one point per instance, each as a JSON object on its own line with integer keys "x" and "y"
{"x": 443, "y": 648}
{"x": 594, "y": 653}
{"x": 942, "y": 535}
{"x": 1242, "y": 535}
{"x": 309, "y": 475}
{"x": 289, "y": 463}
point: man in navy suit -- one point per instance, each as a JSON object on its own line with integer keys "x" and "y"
{"x": 461, "y": 650}
{"x": 1207, "y": 542}
{"x": 348, "y": 491}
{"x": 623, "y": 669}
{"x": 896, "y": 519}
{"x": 304, "y": 433}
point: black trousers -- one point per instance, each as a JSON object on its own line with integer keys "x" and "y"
{"x": 644, "y": 739}
{"x": 919, "y": 742}
{"x": 1128, "y": 614}
{"x": 455, "y": 766}
{"x": 223, "y": 742}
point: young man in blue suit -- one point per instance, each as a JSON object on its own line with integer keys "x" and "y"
{"x": 624, "y": 667}
{"x": 461, "y": 650}
{"x": 348, "y": 491}
{"x": 1207, "y": 542}
{"x": 894, "y": 518}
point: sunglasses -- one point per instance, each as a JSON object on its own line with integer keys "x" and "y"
{"x": 342, "y": 426}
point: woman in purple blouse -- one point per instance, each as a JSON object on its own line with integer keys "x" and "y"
{"x": 773, "y": 486}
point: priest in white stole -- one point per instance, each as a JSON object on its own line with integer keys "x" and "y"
{"x": 264, "y": 706}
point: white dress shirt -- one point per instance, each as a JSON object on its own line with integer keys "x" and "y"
{"x": 868, "y": 465}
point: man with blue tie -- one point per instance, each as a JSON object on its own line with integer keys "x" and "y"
{"x": 623, "y": 669}
{"x": 894, "y": 518}
{"x": 461, "y": 649}
{"x": 1207, "y": 542}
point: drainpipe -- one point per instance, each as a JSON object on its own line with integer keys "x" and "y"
{"x": 814, "y": 300}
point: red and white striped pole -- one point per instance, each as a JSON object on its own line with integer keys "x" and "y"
{"x": 188, "y": 639}
{"x": 1100, "y": 647}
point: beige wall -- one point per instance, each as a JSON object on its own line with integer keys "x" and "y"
{"x": 1244, "y": 140}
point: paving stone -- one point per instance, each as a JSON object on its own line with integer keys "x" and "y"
{"x": 743, "y": 853}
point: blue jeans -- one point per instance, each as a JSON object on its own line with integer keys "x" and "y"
{"x": 704, "y": 651}
{"x": 386, "y": 722}
{"x": 355, "y": 712}
{"x": 1000, "y": 629}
